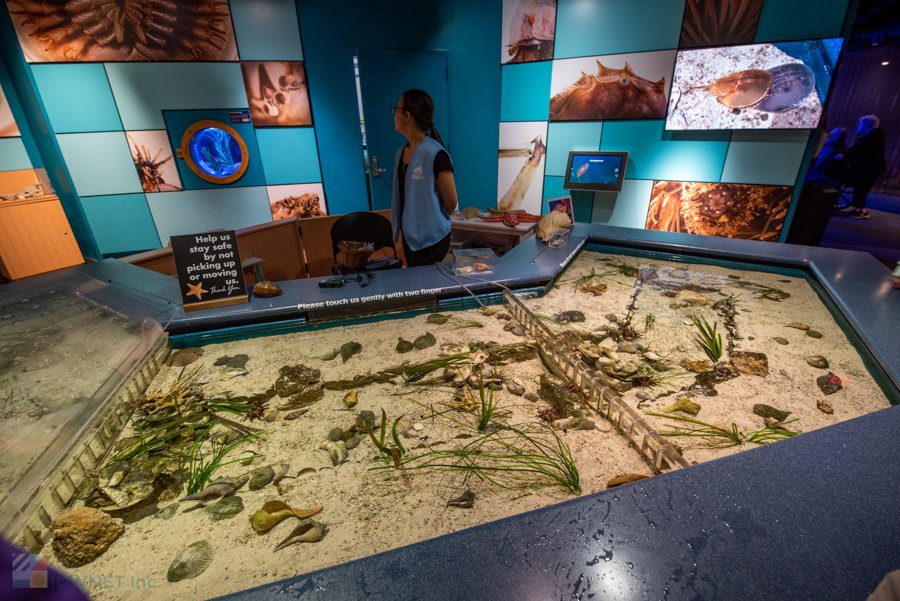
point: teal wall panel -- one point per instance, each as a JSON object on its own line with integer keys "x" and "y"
{"x": 13, "y": 155}
{"x": 143, "y": 90}
{"x": 289, "y": 155}
{"x": 592, "y": 27}
{"x": 525, "y": 91}
{"x": 660, "y": 155}
{"x": 100, "y": 163}
{"x": 783, "y": 20}
{"x": 121, "y": 223}
{"x": 266, "y": 30}
{"x": 582, "y": 201}
{"x": 563, "y": 137}
{"x": 77, "y": 97}
{"x": 765, "y": 157}
{"x": 192, "y": 211}
{"x": 628, "y": 208}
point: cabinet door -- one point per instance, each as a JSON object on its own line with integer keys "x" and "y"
{"x": 35, "y": 237}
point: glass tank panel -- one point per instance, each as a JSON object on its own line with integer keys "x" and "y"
{"x": 66, "y": 345}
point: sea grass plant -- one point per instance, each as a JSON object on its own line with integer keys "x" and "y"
{"x": 709, "y": 340}
{"x": 649, "y": 322}
{"x": 414, "y": 373}
{"x": 508, "y": 450}
{"x": 197, "y": 468}
{"x": 725, "y": 436}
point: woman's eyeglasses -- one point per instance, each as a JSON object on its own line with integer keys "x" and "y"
{"x": 394, "y": 109}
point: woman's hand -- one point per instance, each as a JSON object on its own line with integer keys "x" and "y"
{"x": 446, "y": 187}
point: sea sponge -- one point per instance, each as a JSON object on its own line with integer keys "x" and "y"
{"x": 551, "y": 221}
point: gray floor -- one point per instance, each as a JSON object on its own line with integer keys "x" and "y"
{"x": 879, "y": 235}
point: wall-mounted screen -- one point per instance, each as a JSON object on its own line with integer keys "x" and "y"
{"x": 596, "y": 171}
{"x": 757, "y": 86}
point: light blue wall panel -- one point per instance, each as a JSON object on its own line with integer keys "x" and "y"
{"x": 592, "y": 27}
{"x": 13, "y": 155}
{"x": 289, "y": 155}
{"x": 765, "y": 157}
{"x": 192, "y": 211}
{"x": 266, "y": 30}
{"x": 582, "y": 201}
{"x": 121, "y": 223}
{"x": 660, "y": 155}
{"x": 525, "y": 91}
{"x": 77, "y": 97}
{"x": 100, "y": 163}
{"x": 628, "y": 208}
{"x": 144, "y": 90}
{"x": 563, "y": 137}
{"x": 783, "y": 20}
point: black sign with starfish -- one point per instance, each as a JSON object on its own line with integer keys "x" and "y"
{"x": 209, "y": 268}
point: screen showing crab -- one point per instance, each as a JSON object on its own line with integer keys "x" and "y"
{"x": 277, "y": 93}
{"x": 725, "y": 210}
{"x": 757, "y": 86}
{"x": 614, "y": 86}
{"x": 529, "y": 31}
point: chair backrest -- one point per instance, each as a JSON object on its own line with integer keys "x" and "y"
{"x": 363, "y": 227}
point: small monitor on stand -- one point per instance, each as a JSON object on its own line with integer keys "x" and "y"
{"x": 595, "y": 171}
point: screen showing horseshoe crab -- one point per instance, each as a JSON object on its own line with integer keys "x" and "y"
{"x": 281, "y": 455}
{"x": 758, "y": 86}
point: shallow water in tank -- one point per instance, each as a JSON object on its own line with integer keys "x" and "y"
{"x": 634, "y": 316}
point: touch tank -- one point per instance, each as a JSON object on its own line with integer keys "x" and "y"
{"x": 70, "y": 348}
{"x": 348, "y": 438}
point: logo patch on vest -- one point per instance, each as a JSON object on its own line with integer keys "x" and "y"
{"x": 417, "y": 173}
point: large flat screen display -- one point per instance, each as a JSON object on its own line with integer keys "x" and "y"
{"x": 593, "y": 170}
{"x": 758, "y": 86}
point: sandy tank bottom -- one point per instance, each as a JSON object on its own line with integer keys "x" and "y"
{"x": 370, "y": 512}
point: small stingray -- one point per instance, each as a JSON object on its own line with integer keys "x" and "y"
{"x": 349, "y": 349}
{"x": 191, "y": 562}
{"x": 185, "y": 356}
{"x": 791, "y": 84}
{"x": 225, "y": 508}
{"x": 437, "y": 318}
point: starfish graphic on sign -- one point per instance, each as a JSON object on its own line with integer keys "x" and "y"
{"x": 197, "y": 290}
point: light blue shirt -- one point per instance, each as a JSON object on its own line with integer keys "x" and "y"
{"x": 425, "y": 221}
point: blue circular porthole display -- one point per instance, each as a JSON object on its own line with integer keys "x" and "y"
{"x": 216, "y": 152}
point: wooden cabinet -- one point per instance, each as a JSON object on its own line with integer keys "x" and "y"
{"x": 35, "y": 238}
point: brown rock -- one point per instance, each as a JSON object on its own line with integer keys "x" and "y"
{"x": 750, "y": 364}
{"x": 557, "y": 394}
{"x": 80, "y": 536}
{"x": 829, "y": 383}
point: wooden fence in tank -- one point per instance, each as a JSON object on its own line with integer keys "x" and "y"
{"x": 603, "y": 399}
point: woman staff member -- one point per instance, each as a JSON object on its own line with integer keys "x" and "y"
{"x": 424, "y": 191}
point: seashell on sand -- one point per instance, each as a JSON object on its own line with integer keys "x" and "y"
{"x": 336, "y": 450}
{"x": 191, "y": 562}
{"x": 211, "y": 494}
{"x": 249, "y": 453}
{"x": 326, "y": 355}
{"x": 275, "y": 512}
{"x": 261, "y": 477}
{"x": 307, "y": 531}
{"x": 225, "y": 508}
{"x": 351, "y": 399}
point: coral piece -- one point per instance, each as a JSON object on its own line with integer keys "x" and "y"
{"x": 81, "y": 535}
{"x": 551, "y": 221}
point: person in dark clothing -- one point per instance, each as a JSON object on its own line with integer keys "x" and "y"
{"x": 835, "y": 145}
{"x": 865, "y": 162}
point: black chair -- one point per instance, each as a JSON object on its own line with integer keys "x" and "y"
{"x": 364, "y": 227}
